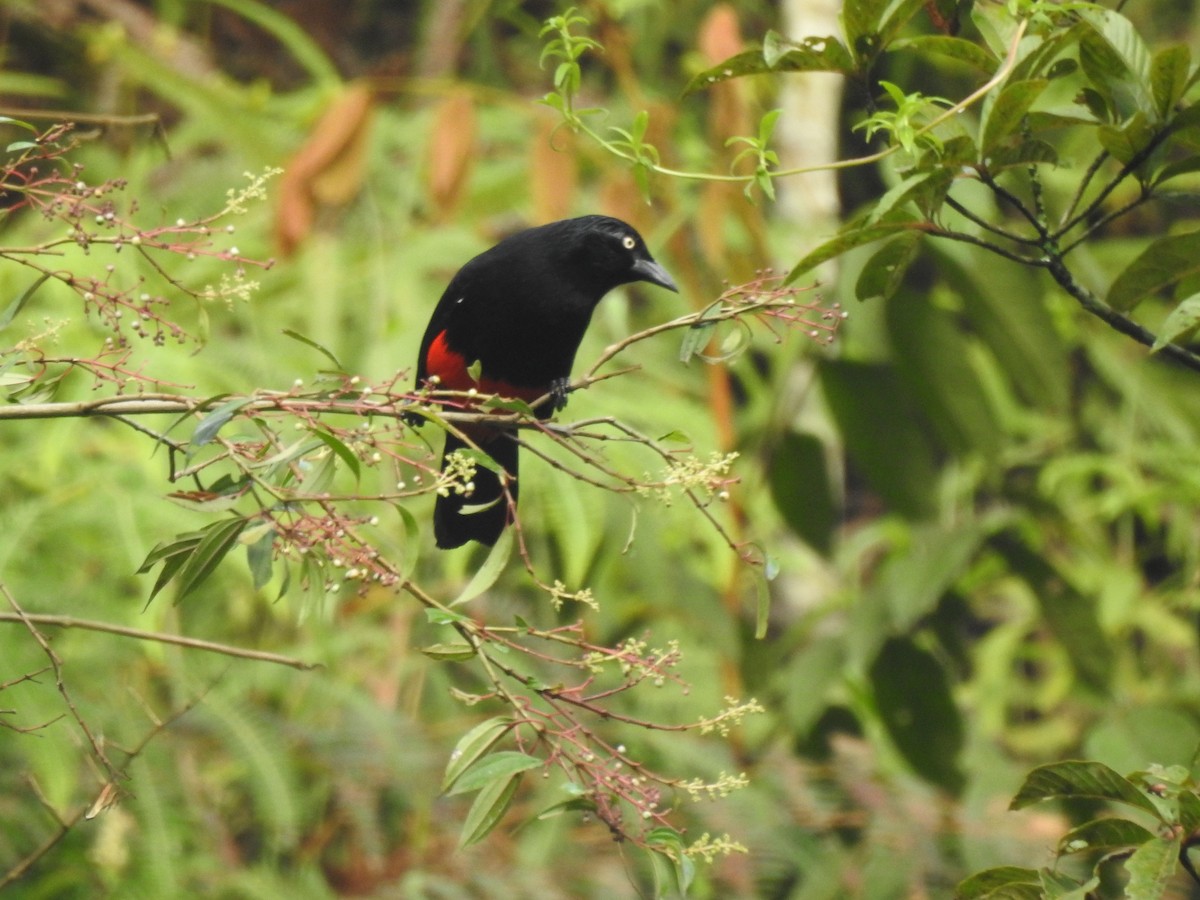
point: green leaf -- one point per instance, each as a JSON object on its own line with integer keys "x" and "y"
{"x": 473, "y": 745}
{"x": 344, "y": 453}
{"x": 208, "y": 427}
{"x": 813, "y": 54}
{"x": 1116, "y": 59}
{"x": 991, "y": 882}
{"x": 1003, "y": 115}
{"x": 491, "y": 767}
{"x": 11, "y": 311}
{"x": 1104, "y": 835}
{"x": 855, "y": 235}
{"x": 1152, "y": 866}
{"x": 883, "y": 273}
{"x": 1169, "y": 71}
{"x": 320, "y": 348}
{"x": 954, "y": 48}
{"x": 452, "y": 652}
{"x": 912, "y": 697}
{"x": 798, "y": 476}
{"x": 487, "y": 574}
{"x": 260, "y": 556}
{"x": 172, "y": 556}
{"x": 1180, "y": 325}
{"x": 219, "y": 538}
{"x": 1129, "y": 139}
{"x": 1075, "y": 779}
{"x": 487, "y": 810}
{"x": 1160, "y": 265}
{"x": 445, "y": 617}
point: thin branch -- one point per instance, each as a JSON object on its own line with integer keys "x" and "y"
{"x": 157, "y": 637}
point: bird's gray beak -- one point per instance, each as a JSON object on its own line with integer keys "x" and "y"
{"x": 649, "y": 270}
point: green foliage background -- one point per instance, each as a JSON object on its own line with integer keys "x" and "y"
{"x": 987, "y": 542}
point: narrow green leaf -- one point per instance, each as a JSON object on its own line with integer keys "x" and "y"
{"x": 208, "y": 427}
{"x": 1104, "y": 835}
{"x": 171, "y": 565}
{"x": 411, "y": 544}
{"x": 1152, "y": 866}
{"x": 184, "y": 543}
{"x": 575, "y": 804}
{"x": 473, "y": 745}
{"x": 344, "y": 453}
{"x": 1180, "y": 325}
{"x": 1160, "y": 265}
{"x": 813, "y": 54}
{"x": 1075, "y": 779}
{"x": 491, "y": 767}
{"x": 452, "y": 652}
{"x": 445, "y": 617}
{"x": 218, "y": 540}
{"x": 487, "y": 574}
{"x": 487, "y": 810}
{"x": 260, "y": 554}
{"x": 11, "y": 311}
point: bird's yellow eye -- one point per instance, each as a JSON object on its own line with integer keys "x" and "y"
{"x": 628, "y": 242}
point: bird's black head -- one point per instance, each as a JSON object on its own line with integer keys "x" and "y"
{"x": 611, "y": 252}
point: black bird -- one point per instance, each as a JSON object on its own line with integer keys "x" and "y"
{"x": 518, "y": 312}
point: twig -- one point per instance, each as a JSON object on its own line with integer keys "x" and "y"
{"x": 158, "y": 637}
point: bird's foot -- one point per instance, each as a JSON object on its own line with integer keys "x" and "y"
{"x": 559, "y": 388}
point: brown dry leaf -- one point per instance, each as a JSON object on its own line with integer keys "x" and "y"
{"x": 328, "y": 169}
{"x": 451, "y": 152}
{"x": 553, "y": 172}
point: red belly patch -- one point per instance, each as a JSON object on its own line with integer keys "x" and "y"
{"x": 451, "y": 368}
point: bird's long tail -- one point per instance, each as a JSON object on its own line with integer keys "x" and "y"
{"x": 452, "y": 527}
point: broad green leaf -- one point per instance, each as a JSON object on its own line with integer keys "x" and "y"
{"x": 883, "y": 273}
{"x": 491, "y": 767}
{"x": 798, "y": 476}
{"x": 1152, "y": 866}
{"x": 855, "y": 235}
{"x": 1117, "y": 61}
{"x": 1104, "y": 835}
{"x": 897, "y": 195}
{"x": 218, "y": 540}
{"x": 883, "y": 433}
{"x": 13, "y": 309}
{"x": 933, "y": 355}
{"x": 1080, "y": 779}
{"x": 954, "y": 48}
{"x": 487, "y": 810}
{"x": 1180, "y": 326}
{"x": 912, "y": 697}
{"x": 1002, "y": 115}
{"x": 990, "y": 882}
{"x": 473, "y": 745}
{"x": 813, "y": 54}
{"x": 214, "y": 421}
{"x": 1129, "y": 139}
{"x": 487, "y": 574}
{"x": 1160, "y": 265}
{"x": 1169, "y": 71}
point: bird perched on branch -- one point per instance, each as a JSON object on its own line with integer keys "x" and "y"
{"x": 510, "y": 323}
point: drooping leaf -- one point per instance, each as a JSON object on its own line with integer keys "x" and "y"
{"x": 260, "y": 556}
{"x": 1080, "y": 779}
{"x": 487, "y": 810}
{"x": 1164, "y": 262}
{"x": 813, "y": 54}
{"x": 855, "y": 235}
{"x": 218, "y": 540}
{"x": 344, "y": 453}
{"x": 320, "y": 348}
{"x": 883, "y": 273}
{"x": 214, "y": 421}
{"x": 13, "y": 309}
{"x": 487, "y": 574}
{"x": 1169, "y": 71}
{"x": 798, "y": 475}
{"x": 451, "y": 652}
{"x": 912, "y": 697}
{"x": 955, "y": 48}
{"x": 1180, "y": 325}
